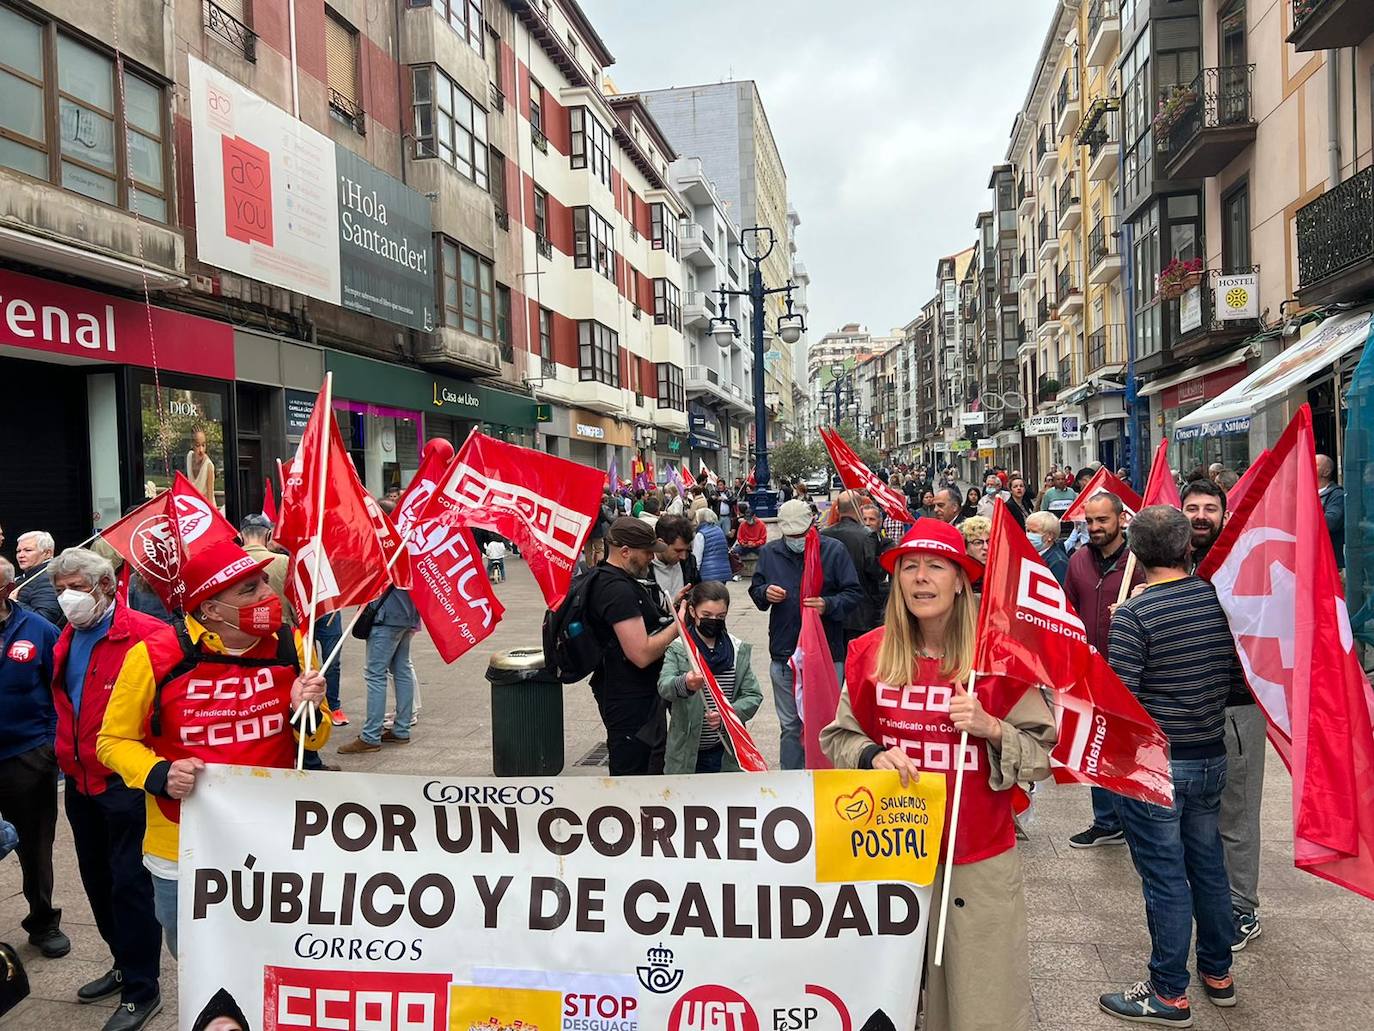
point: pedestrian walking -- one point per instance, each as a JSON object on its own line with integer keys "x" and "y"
{"x": 1172, "y": 647}
{"x": 903, "y": 708}
{"x": 388, "y": 652}
{"x": 710, "y": 548}
{"x": 694, "y": 735}
{"x": 28, "y": 765}
{"x": 107, "y": 816}
{"x": 496, "y": 560}
{"x": 776, "y": 589}
{"x": 862, "y": 546}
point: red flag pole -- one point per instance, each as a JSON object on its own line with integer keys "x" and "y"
{"x": 953, "y": 827}
{"x": 326, "y": 439}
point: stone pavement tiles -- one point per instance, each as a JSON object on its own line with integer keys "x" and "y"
{"x": 1312, "y": 968}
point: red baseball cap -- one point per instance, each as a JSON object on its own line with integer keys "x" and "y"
{"x": 213, "y": 568}
{"x": 930, "y": 536}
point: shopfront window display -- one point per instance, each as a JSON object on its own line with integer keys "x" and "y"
{"x": 184, "y": 434}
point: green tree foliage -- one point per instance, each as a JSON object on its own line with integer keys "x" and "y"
{"x": 868, "y": 454}
{"x": 795, "y": 459}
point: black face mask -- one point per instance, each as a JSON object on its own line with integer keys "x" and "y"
{"x": 712, "y": 627}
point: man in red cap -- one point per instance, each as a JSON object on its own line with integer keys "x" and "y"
{"x": 221, "y": 688}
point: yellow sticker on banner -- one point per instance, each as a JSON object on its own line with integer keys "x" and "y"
{"x": 478, "y": 1008}
{"x": 870, "y": 828}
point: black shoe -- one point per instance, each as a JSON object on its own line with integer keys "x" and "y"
{"x": 102, "y": 987}
{"x": 130, "y": 1016}
{"x": 1095, "y": 836}
{"x": 52, "y": 943}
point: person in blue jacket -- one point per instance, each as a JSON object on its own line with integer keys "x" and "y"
{"x": 710, "y": 547}
{"x": 776, "y": 589}
{"x": 28, "y": 764}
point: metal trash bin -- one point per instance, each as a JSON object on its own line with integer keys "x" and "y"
{"x": 526, "y": 715}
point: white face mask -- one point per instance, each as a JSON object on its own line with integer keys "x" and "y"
{"x": 81, "y": 609}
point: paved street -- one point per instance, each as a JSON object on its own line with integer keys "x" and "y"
{"x": 1311, "y": 969}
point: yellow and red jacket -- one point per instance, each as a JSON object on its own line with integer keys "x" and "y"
{"x": 234, "y": 710}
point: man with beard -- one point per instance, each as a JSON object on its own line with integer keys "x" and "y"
{"x": 1092, "y": 585}
{"x": 627, "y": 621}
{"x": 1204, "y": 503}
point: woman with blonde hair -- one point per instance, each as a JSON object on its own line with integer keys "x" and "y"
{"x": 903, "y": 707}
{"x": 977, "y": 531}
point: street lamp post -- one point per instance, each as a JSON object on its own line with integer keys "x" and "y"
{"x": 791, "y": 325}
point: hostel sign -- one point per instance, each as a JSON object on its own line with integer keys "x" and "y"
{"x": 411, "y": 903}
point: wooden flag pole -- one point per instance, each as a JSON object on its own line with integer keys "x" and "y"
{"x": 949, "y": 834}
{"x": 1126, "y": 579}
{"x": 326, "y": 440}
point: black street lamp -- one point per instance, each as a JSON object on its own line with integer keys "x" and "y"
{"x": 790, "y": 328}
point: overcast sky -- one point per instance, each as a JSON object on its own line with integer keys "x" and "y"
{"x": 889, "y": 117}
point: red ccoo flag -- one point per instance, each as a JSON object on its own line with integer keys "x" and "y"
{"x": 1161, "y": 488}
{"x": 546, "y": 505}
{"x": 269, "y": 500}
{"x": 449, "y": 587}
{"x": 814, "y": 681}
{"x": 688, "y": 480}
{"x": 155, "y": 546}
{"x": 1276, "y": 577}
{"x": 353, "y": 559}
{"x": 733, "y": 731}
{"x": 857, "y": 476}
{"x": 1103, "y": 482}
{"x": 1027, "y": 630}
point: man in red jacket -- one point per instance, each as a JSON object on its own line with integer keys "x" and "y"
{"x": 107, "y": 816}
{"x": 1092, "y": 585}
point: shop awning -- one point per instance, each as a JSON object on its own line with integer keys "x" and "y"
{"x": 1327, "y": 344}
{"x": 1227, "y": 360}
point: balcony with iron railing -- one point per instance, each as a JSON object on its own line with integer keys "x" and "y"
{"x": 1027, "y": 272}
{"x": 498, "y": 99}
{"x": 538, "y": 138}
{"x": 1049, "y": 238}
{"x": 1106, "y": 348}
{"x": 224, "y": 27}
{"x": 543, "y": 245}
{"x": 1070, "y": 204}
{"x": 1069, "y": 104}
{"x": 1202, "y": 127}
{"x": 1104, "y": 32}
{"x": 1047, "y": 318}
{"x": 349, "y": 112}
{"x": 1336, "y": 243}
{"x": 1104, "y": 256}
{"x": 1046, "y": 153}
{"x": 1104, "y": 154}
{"x": 1069, "y": 291}
{"x": 695, "y": 246}
{"x": 1201, "y": 327}
{"x": 1330, "y": 24}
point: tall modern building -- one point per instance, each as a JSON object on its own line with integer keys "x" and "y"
{"x": 726, "y": 126}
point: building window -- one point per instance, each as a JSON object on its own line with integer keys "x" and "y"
{"x": 593, "y": 242}
{"x": 590, "y": 144}
{"x": 449, "y": 124}
{"x": 667, "y": 304}
{"x": 670, "y": 392}
{"x": 1235, "y": 229}
{"x": 465, "y": 18}
{"x": 598, "y": 353}
{"x": 82, "y": 155}
{"x": 341, "y": 71}
{"x": 496, "y": 176}
{"x": 469, "y": 297}
{"x": 663, "y": 226}
{"x": 503, "y": 329}
{"x": 546, "y": 342}
{"x": 536, "y": 106}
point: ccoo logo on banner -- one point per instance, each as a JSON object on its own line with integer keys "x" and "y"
{"x": 742, "y": 902}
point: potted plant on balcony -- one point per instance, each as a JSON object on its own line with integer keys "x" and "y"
{"x": 1048, "y": 389}
{"x": 1303, "y": 8}
{"x": 1172, "y": 109}
{"x": 1178, "y": 277}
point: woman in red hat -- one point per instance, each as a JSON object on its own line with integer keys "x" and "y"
{"x": 903, "y": 707}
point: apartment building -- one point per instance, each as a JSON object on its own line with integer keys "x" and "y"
{"x": 443, "y": 208}
{"x": 803, "y": 410}
{"x": 725, "y": 124}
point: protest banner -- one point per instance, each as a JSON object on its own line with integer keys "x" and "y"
{"x": 739, "y": 902}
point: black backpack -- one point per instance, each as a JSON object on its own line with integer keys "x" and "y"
{"x": 571, "y": 648}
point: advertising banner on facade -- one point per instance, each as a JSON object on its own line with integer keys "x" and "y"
{"x": 1070, "y": 428}
{"x": 740, "y": 902}
{"x": 1236, "y": 297}
{"x": 1042, "y": 426}
{"x": 385, "y": 244}
{"x": 280, "y": 202}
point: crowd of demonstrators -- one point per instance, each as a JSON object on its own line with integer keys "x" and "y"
{"x": 674, "y": 565}
{"x": 1043, "y": 530}
{"x": 976, "y": 531}
{"x": 710, "y": 547}
{"x": 33, "y": 551}
{"x": 863, "y": 547}
{"x": 776, "y": 589}
{"x": 947, "y": 505}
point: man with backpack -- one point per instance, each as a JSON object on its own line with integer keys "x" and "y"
{"x": 222, "y": 687}
{"x": 633, "y": 633}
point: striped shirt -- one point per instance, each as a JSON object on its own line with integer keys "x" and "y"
{"x": 726, "y": 681}
{"x": 1173, "y": 648}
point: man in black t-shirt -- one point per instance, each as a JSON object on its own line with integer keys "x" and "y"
{"x": 635, "y": 634}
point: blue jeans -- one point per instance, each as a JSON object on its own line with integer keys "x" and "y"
{"x": 1105, "y": 816}
{"x": 791, "y": 750}
{"x": 328, "y": 633}
{"x": 709, "y": 760}
{"x": 388, "y": 650}
{"x": 165, "y": 906}
{"x": 1178, "y": 854}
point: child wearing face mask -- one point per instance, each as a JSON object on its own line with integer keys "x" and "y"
{"x": 695, "y": 744}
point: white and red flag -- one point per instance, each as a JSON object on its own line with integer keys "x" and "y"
{"x": 857, "y": 476}
{"x": 546, "y": 505}
{"x": 1275, "y": 576}
{"x": 814, "y": 682}
{"x": 688, "y": 480}
{"x": 1161, "y": 488}
{"x": 1028, "y": 631}
{"x": 732, "y": 728}
{"x": 1103, "y": 482}
{"x": 156, "y": 538}
{"x": 352, "y": 558}
{"x": 448, "y": 584}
